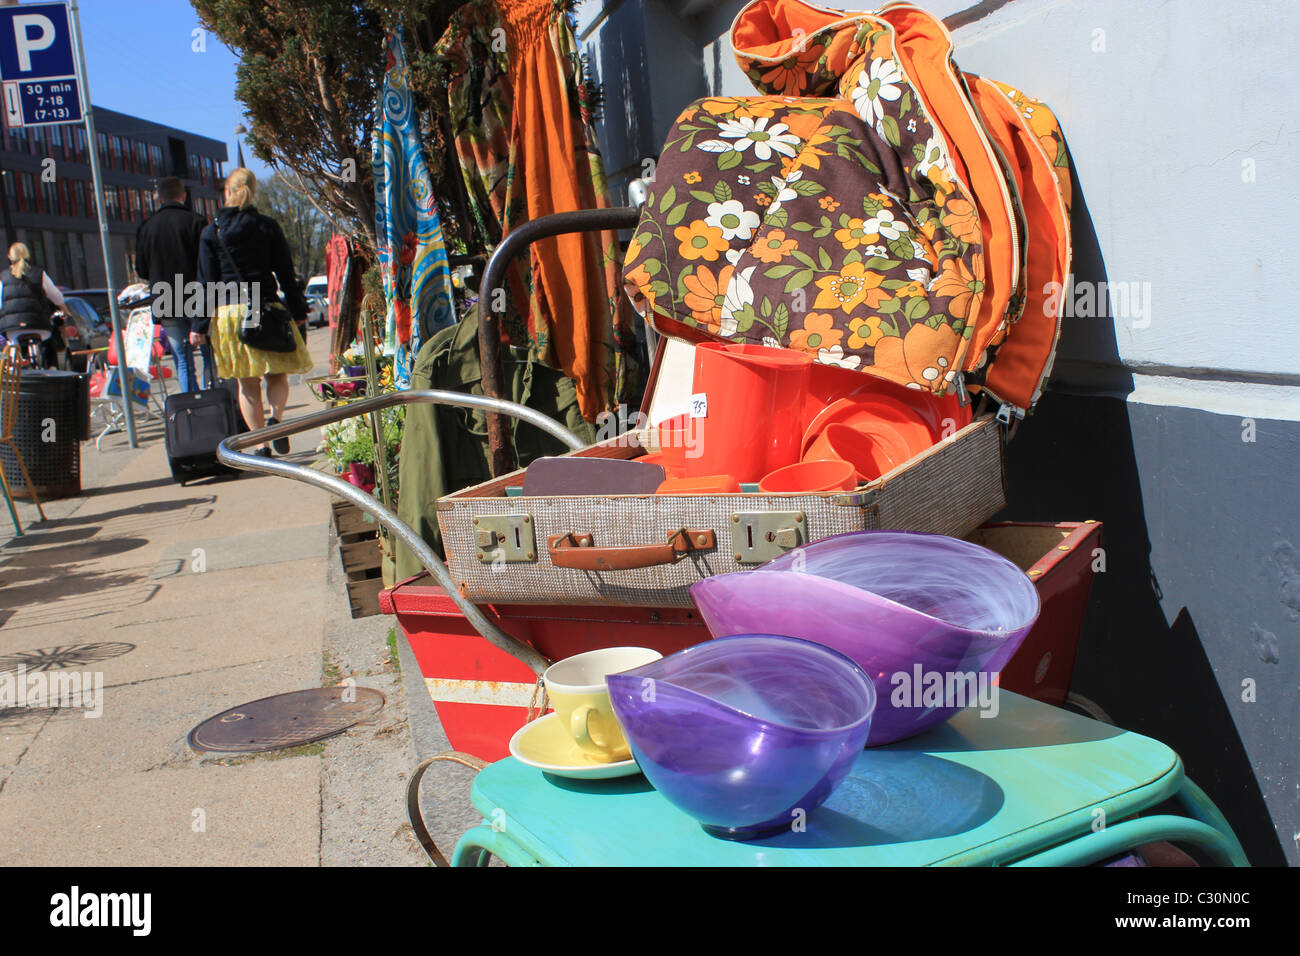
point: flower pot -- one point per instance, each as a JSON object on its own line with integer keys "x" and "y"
{"x": 361, "y": 475}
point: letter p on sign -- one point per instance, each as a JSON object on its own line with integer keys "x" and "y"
{"x": 26, "y": 41}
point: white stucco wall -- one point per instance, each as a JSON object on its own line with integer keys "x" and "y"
{"x": 1182, "y": 124}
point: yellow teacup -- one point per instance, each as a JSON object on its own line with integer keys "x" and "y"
{"x": 576, "y": 687}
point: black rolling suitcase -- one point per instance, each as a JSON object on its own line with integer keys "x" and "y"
{"x": 196, "y": 422}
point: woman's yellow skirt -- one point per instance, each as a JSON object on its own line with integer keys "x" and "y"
{"x": 237, "y": 360}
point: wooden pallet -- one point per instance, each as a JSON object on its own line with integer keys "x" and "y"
{"x": 362, "y": 557}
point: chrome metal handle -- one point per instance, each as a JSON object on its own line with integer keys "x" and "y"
{"x": 229, "y": 453}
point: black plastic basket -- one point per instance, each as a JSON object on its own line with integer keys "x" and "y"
{"x": 52, "y": 420}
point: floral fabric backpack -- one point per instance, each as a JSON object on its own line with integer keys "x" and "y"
{"x": 875, "y": 207}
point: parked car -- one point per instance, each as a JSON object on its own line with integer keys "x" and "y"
{"x": 319, "y": 286}
{"x": 317, "y": 311}
{"x": 83, "y": 328}
{"x": 98, "y": 300}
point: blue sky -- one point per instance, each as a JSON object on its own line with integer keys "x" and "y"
{"x": 140, "y": 60}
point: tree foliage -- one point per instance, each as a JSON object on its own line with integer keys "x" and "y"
{"x": 302, "y": 223}
{"x": 309, "y": 77}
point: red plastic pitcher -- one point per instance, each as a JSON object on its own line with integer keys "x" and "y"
{"x": 748, "y": 405}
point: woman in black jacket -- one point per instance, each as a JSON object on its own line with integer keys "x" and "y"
{"x": 242, "y": 245}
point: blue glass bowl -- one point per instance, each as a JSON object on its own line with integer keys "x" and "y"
{"x": 748, "y": 734}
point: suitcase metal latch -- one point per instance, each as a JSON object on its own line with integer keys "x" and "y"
{"x": 763, "y": 535}
{"x": 504, "y": 538}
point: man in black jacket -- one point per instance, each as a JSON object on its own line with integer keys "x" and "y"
{"x": 167, "y": 255}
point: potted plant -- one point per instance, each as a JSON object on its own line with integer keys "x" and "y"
{"x": 350, "y": 446}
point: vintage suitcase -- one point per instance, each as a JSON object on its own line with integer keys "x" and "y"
{"x": 646, "y": 550}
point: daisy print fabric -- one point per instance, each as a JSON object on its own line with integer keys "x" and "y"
{"x": 824, "y": 215}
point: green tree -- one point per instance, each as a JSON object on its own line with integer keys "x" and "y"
{"x": 303, "y": 224}
{"x": 308, "y": 75}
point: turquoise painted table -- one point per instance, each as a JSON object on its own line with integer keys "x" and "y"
{"x": 1034, "y": 785}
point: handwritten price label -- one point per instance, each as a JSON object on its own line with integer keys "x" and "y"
{"x": 700, "y": 405}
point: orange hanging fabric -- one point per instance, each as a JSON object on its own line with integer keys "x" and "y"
{"x": 521, "y": 117}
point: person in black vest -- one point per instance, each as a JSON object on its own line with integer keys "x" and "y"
{"x": 28, "y": 299}
{"x": 167, "y": 251}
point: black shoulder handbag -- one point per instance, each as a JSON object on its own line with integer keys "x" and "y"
{"x": 268, "y": 326}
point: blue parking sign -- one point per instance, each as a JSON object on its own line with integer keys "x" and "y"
{"x": 37, "y": 66}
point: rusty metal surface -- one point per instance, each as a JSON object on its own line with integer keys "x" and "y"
{"x": 286, "y": 720}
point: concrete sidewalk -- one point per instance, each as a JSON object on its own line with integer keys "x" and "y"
{"x": 189, "y": 601}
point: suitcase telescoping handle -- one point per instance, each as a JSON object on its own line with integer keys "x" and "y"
{"x": 578, "y": 550}
{"x": 230, "y": 453}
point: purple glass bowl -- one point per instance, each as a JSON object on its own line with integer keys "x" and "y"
{"x": 931, "y": 619}
{"x": 748, "y": 734}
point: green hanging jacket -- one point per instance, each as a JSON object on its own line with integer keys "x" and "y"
{"x": 445, "y": 449}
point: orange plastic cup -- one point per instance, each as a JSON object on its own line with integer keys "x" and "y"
{"x": 755, "y": 399}
{"x": 705, "y": 485}
{"x": 677, "y": 439}
{"x": 857, "y": 448}
{"x": 810, "y": 477}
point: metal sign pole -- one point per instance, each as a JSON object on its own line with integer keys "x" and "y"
{"x": 125, "y": 377}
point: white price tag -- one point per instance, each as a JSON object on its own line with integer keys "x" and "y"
{"x": 700, "y": 405}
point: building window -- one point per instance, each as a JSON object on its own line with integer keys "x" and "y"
{"x": 156, "y": 160}
{"x": 50, "y": 197}
{"x": 110, "y": 202}
{"x": 103, "y": 147}
{"x": 35, "y": 244}
{"x": 133, "y": 195}
{"x": 38, "y": 140}
{"x": 142, "y": 158}
{"x": 56, "y": 139}
{"x": 62, "y": 256}
{"x": 27, "y": 201}
{"x": 11, "y": 186}
{"x": 117, "y": 152}
{"x": 79, "y": 149}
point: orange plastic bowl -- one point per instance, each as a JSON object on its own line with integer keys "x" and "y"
{"x": 870, "y": 458}
{"x": 810, "y": 477}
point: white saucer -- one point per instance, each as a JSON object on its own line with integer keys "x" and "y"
{"x": 546, "y": 745}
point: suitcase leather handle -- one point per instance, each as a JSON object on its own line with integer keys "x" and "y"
{"x": 578, "y": 550}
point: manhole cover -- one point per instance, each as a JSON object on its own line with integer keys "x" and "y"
{"x": 286, "y": 720}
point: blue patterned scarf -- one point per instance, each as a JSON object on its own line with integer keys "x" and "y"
{"x": 412, "y": 257}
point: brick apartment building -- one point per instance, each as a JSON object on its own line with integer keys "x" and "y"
{"x": 51, "y": 206}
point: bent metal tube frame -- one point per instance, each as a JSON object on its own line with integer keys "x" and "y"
{"x": 231, "y": 452}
